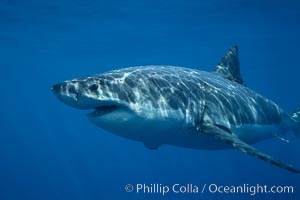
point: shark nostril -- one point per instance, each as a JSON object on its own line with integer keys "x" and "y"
{"x": 77, "y": 96}
{"x": 73, "y": 92}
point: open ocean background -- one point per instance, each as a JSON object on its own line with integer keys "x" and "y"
{"x": 51, "y": 151}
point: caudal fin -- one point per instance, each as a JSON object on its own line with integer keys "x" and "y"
{"x": 296, "y": 118}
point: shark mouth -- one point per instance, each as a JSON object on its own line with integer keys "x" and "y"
{"x": 103, "y": 110}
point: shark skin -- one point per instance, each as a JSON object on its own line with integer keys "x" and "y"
{"x": 182, "y": 107}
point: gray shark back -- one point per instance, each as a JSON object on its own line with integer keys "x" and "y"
{"x": 205, "y": 96}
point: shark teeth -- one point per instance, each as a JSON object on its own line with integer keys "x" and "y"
{"x": 102, "y": 110}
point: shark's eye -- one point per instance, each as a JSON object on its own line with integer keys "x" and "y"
{"x": 93, "y": 87}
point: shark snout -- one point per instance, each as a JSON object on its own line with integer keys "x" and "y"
{"x": 64, "y": 89}
{"x": 56, "y": 88}
{"x": 67, "y": 93}
{"x": 76, "y": 94}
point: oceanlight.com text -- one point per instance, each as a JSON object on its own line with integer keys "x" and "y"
{"x": 176, "y": 188}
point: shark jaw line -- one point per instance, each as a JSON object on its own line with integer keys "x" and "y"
{"x": 103, "y": 110}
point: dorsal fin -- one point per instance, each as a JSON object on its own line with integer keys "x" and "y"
{"x": 229, "y": 66}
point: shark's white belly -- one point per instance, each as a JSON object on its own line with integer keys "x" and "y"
{"x": 154, "y": 133}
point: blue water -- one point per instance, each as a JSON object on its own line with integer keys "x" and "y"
{"x": 50, "y": 151}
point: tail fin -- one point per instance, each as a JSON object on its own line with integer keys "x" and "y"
{"x": 296, "y": 118}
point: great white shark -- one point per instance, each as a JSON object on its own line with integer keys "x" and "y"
{"x": 182, "y": 107}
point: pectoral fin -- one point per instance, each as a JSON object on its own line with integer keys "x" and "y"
{"x": 231, "y": 139}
